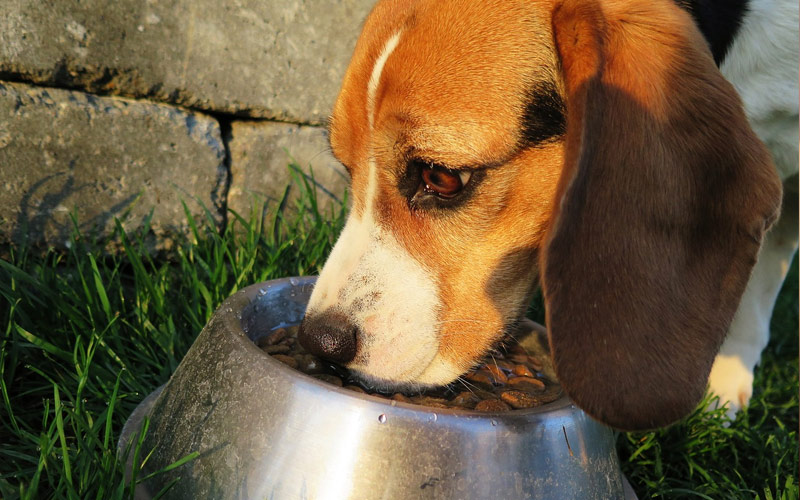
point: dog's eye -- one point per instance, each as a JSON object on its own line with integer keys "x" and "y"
{"x": 443, "y": 181}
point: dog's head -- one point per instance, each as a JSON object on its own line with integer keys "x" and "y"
{"x": 593, "y": 145}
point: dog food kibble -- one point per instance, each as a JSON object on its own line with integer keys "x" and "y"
{"x": 519, "y": 370}
{"x": 288, "y": 360}
{"x": 401, "y": 398}
{"x": 529, "y": 384}
{"x": 510, "y": 380}
{"x": 492, "y": 405}
{"x": 519, "y": 399}
{"x": 276, "y": 349}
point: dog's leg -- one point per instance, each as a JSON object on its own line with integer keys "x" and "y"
{"x": 732, "y": 373}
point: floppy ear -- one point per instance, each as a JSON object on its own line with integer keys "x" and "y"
{"x": 663, "y": 201}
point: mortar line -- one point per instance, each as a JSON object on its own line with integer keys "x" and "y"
{"x": 243, "y": 115}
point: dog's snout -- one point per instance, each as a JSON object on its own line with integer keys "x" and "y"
{"x": 330, "y": 336}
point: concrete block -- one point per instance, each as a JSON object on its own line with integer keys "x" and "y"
{"x": 261, "y": 153}
{"x": 64, "y": 152}
{"x": 256, "y": 58}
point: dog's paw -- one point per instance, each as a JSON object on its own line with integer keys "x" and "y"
{"x": 732, "y": 381}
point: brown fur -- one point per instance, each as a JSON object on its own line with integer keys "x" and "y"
{"x": 449, "y": 50}
{"x": 648, "y": 234}
{"x": 664, "y": 199}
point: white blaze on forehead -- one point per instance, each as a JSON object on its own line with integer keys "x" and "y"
{"x": 372, "y": 91}
{"x": 375, "y": 76}
{"x": 383, "y": 289}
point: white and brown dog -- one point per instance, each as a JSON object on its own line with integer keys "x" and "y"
{"x": 591, "y": 146}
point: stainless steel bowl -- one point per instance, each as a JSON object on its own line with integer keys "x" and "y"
{"x": 263, "y": 430}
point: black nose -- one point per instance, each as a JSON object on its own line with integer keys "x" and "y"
{"x": 329, "y": 335}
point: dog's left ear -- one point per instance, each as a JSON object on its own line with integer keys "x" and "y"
{"x": 664, "y": 198}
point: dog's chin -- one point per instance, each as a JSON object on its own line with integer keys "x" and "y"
{"x": 374, "y": 383}
{"x": 438, "y": 373}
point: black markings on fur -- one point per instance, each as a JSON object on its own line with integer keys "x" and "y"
{"x": 718, "y": 20}
{"x": 544, "y": 116}
{"x": 410, "y": 181}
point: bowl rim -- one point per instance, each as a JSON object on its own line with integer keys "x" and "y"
{"x": 251, "y": 292}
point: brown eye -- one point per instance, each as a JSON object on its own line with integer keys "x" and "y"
{"x": 444, "y": 182}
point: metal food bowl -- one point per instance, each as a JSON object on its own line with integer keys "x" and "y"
{"x": 264, "y": 430}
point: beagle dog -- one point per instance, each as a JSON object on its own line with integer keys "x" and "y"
{"x": 592, "y": 147}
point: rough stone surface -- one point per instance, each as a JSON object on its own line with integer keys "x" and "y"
{"x": 261, "y": 154}
{"x": 64, "y": 152}
{"x": 256, "y": 58}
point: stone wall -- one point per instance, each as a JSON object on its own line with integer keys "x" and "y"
{"x": 129, "y": 108}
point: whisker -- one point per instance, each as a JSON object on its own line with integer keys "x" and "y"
{"x": 467, "y": 385}
{"x": 491, "y": 355}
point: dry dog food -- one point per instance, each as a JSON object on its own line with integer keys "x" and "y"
{"x": 510, "y": 379}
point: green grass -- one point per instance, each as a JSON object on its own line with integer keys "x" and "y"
{"x": 756, "y": 456}
{"x": 86, "y": 335}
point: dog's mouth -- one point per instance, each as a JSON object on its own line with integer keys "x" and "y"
{"x": 372, "y": 383}
{"x": 507, "y": 347}
{"x": 506, "y": 377}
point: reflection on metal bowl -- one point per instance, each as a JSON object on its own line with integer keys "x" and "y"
{"x": 264, "y": 430}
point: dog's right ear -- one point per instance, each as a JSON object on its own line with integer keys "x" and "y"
{"x": 663, "y": 201}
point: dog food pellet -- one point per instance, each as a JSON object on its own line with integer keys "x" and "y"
{"x": 527, "y": 384}
{"x": 481, "y": 378}
{"x": 276, "y": 349}
{"x": 432, "y": 402}
{"x": 274, "y": 338}
{"x": 522, "y": 371}
{"x": 287, "y": 360}
{"x": 400, "y": 397}
{"x": 497, "y": 374}
{"x": 465, "y": 399}
{"x": 511, "y": 379}
{"x": 519, "y": 399}
{"x": 492, "y": 405}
